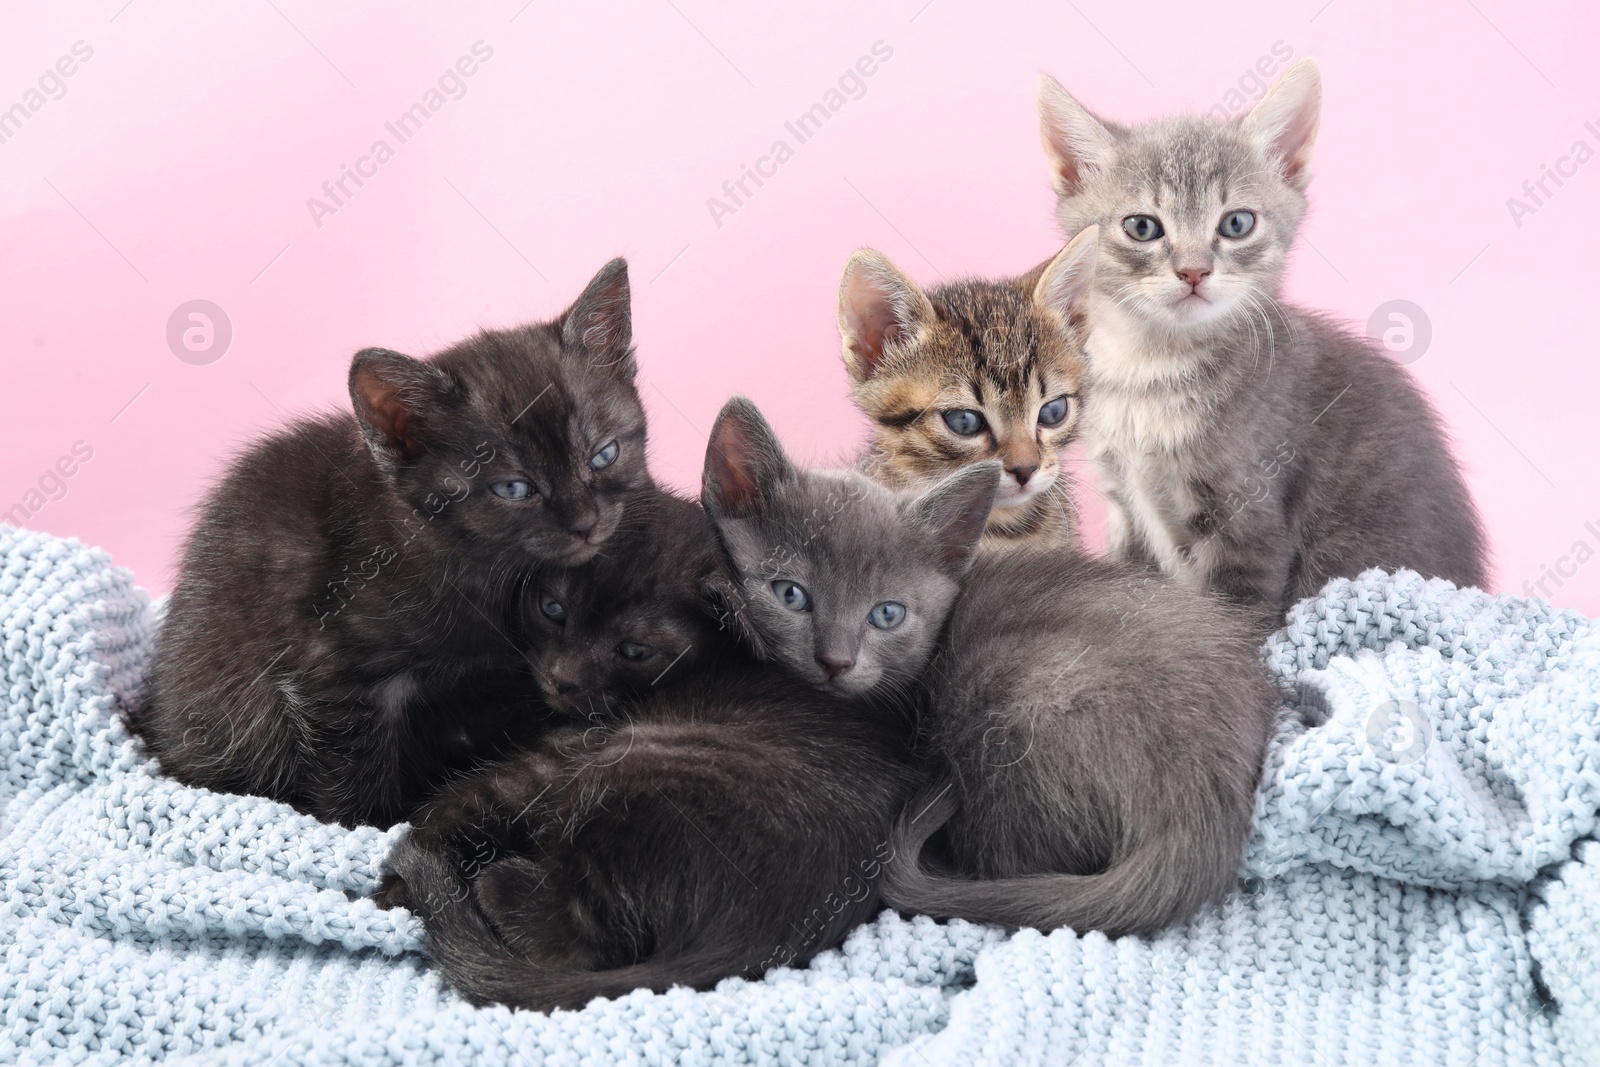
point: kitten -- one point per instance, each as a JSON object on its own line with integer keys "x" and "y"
{"x": 657, "y": 605}
{"x": 1089, "y": 713}
{"x": 1247, "y": 446}
{"x": 350, "y": 583}
{"x": 843, "y": 581}
{"x": 1104, "y": 730}
{"x": 969, "y": 372}
{"x": 730, "y": 820}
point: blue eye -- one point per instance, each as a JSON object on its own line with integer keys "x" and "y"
{"x": 515, "y": 489}
{"x": 1142, "y": 227}
{"x": 963, "y": 421}
{"x": 887, "y": 616}
{"x": 605, "y": 457}
{"x": 1237, "y": 223}
{"x": 552, "y": 609}
{"x": 633, "y": 650}
{"x": 791, "y": 595}
{"x": 1052, "y": 413}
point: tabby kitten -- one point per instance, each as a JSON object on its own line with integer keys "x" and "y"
{"x": 716, "y": 818}
{"x": 351, "y": 582}
{"x": 970, "y": 372}
{"x": 1104, "y": 730}
{"x": 1247, "y": 446}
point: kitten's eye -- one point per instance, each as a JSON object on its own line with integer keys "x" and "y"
{"x": 633, "y": 650}
{"x": 515, "y": 489}
{"x": 1052, "y": 413}
{"x": 1142, "y": 227}
{"x": 963, "y": 421}
{"x": 791, "y": 595}
{"x": 605, "y": 457}
{"x": 887, "y": 616}
{"x": 1237, "y": 223}
{"x": 552, "y": 609}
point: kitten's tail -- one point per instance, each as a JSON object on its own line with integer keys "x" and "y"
{"x": 484, "y": 969}
{"x": 1163, "y": 882}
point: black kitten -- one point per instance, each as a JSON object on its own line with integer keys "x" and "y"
{"x": 353, "y": 580}
{"x": 654, "y": 607}
{"x": 730, "y": 820}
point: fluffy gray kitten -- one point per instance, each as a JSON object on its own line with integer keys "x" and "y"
{"x": 1103, "y": 730}
{"x": 1246, "y": 446}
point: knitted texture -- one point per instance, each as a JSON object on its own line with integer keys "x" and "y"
{"x": 1421, "y": 887}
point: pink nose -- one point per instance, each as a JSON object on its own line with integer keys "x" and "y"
{"x": 834, "y": 665}
{"x": 1193, "y": 276}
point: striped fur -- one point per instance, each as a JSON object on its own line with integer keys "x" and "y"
{"x": 1003, "y": 349}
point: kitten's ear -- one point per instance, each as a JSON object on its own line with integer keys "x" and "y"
{"x": 393, "y": 397}
{"x": 1284, "y": 124}
{"x": 1066, "y": 281}
{"x": 1074, "y": 140}
{"x": 956, "y": 510}
{"x": 744, "y": 461}
{"x": 878, "y": 306}
{"x": 599, "y": 325}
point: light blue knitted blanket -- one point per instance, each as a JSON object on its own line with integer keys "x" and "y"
{"x": 1422, "y": 887}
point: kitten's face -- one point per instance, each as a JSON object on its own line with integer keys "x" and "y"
{"x": 529, "y": 439}
{"x": 637, "y": 616}
{"x": 1196, "y": 216}
{"x": 969, "y": 372}
{"x": 844, "y": 581}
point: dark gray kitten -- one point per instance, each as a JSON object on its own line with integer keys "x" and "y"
{"x": 351, "y": 583}
{"x": 1104, "y": 731}
{"x": 1247, "y": 446}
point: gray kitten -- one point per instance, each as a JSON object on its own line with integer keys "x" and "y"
{"x": 1104, "y": 731}
{"x": 844, "y": 581}
{"x": 1247, "y": 447}
{"x": 1092, "y": 716}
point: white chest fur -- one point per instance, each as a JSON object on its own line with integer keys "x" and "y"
{"x": 1143, "y": 422}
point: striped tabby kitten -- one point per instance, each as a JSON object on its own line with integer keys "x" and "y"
{"x": 971, "y": 372}
{"x": 1247, "y": 447}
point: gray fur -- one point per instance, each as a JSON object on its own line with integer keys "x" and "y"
{"x": 851, "y": 543}
{"x": 1246, "y": 446}
{"x": 1102, "y": 727}
{"x": 702, "y": 815}
{"x": 1104, "y": 730}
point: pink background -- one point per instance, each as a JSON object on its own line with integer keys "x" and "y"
{"x": 178, "y": 163}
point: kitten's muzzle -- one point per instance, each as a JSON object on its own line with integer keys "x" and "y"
{"x": 576, "y": 702}
{"x": 834, "y": 664}
{"x": 582, "y": 522}
{"x": 1022, "y": 472}
{"x": 573, "y": 553}
{"x": 1014, "y": 493}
